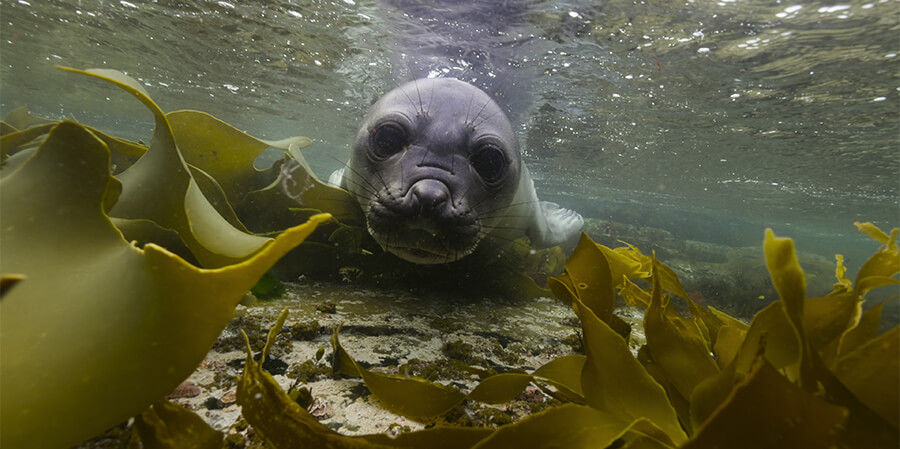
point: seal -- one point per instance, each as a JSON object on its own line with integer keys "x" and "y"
{"x": 437, "y": 169}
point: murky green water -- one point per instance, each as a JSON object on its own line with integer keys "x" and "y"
{"x": 711, "y": 119}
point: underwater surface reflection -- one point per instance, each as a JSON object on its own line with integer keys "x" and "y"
{"x": 710, "y": 119}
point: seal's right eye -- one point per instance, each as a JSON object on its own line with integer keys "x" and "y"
{"x": 388, "y": 139}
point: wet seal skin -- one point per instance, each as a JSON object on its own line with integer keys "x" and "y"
{"x": 437, "y": 170}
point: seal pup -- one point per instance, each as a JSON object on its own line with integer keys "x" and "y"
{"x": 437, "y": 170}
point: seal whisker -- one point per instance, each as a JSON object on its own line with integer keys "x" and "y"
{"x": 504, "y": 207}
{"x": 430, "y": 100}
{"x": 485, "y": 119}
{"x": 453, "y": 213}
{"x": 515, "y": 228}
{"x": 421, "y": 109}
{"x": 485, "y": 105}
{"x": 372, "y": 190}
{"x": 469, "y": 109}
{"x": 509, "y": 258}
{"x": 411, "y": 102}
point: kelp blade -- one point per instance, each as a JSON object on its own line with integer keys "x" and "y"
{"x": 55, "y": 330}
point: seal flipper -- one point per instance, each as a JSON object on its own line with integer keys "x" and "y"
{"x": 555, "y": 226}
{"x": 336, "y": 178}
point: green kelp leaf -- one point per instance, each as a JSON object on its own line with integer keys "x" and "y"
{"x": 418, "y": 398}
{"x": 567, "y": 426}
{"x": 21, "y": 118}
{"x": 645, "y": 442}
{"x": 614, "y": 381}
{"x": 159, "y": 187}
{"x": 728, "y": 344}
{"x": 121, "y": 146}
{"x": 16, "y": 139}
{"x": 790, "y": 282}
{"x": 223, "y": 151}
{"x": 142, "y": 232}
{"x": 781, "y": 344}
{"x": 124, "y": 152}
{"x": 6, "y": 128}
{"x": 709, "y": 395}
{"x": 728, "y": 319}
{"x": 623, "y": 266}
{"x": 765, "y": 410}
{"x": 787, "y": 276}
{"x": 409, "y": 396}
{"x": 166, "y": 425}
{"x": 588, "y": 277}
{"x": 286, "y": 425}
{"x": 632, "y": 252}
{"x": 108, "y": 328}
{"x": 564, "y": 373}
{"x": 872, "y": 373}
{"x": 277, "y": 418}
{"x": 827, "y": 318}
{"x": 592, "y": 278}
{"x": 8, "y": 281}
{"x": 840, "y": 272}
{"x": 500, "y": 388}
{"x": 669, "y": 280}
{"x": 874, "y": 232}
{"x": 866, "y": 329}
{"x": 433, "y": 438}
{"x": 294, "y": 193}
{"x": 216, "y": 197}
{"x": 880, "y": 269}
{"x": 676, "y": 344}
{"x": 302, "y": 185}
{"x": 634, "y": 295}
{"x": 15, "y": 161}
{"x": 269, "y": 209}
{"x": 705, "y": 321}
{"x": 562, "y": 288}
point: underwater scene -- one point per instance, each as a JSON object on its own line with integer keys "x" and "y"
{"x": 450, "y": 224}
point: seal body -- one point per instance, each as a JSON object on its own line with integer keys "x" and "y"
{"x": 437, "y": 170}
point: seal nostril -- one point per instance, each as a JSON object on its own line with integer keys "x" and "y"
{"x": 430, "y": 197}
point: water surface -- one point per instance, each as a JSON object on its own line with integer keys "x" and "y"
{"x": 711, "y": 119}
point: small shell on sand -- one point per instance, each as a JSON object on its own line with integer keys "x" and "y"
{"x": 229, "y": 397}
{"x": 186, "y": 389}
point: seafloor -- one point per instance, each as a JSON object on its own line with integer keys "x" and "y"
{"x": 443, "y": 337}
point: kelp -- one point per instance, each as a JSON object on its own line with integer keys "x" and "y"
{"x": 94, "y": 329}
{"x": 109, "y": 327}
{"x": 284, "y": 424}
{"x": 703, "y": 380}
{"x": 176, "y": 203}
{"x": 168, "y": 425}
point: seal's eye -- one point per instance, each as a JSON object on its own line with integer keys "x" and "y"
{"x": 489, "y": 162}
{"x": 388, "y": 139}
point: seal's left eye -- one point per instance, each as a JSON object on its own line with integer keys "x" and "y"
{"x": 388, "y": 139}
{"x": 489, "y": 162}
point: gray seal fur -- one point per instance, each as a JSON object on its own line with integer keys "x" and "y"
{"x": 437, "y": 170}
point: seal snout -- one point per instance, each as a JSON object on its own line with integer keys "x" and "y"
{"x": 424, "y": 225}
{"x": 428, "y": 198}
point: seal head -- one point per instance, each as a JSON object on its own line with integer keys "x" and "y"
{"x": 437, "y": 170}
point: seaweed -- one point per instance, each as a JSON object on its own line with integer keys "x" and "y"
{"x": 268, "y": 287}
{"x": 107, "y": 326}
{"x": 101, "y": 305}
{"x": 806, "y": 372}
{"x": 168, "y": 425}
